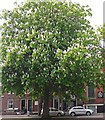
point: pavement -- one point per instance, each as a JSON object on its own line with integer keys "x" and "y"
{"x": 95, "y": 115}
{"x": 19, "y": 116}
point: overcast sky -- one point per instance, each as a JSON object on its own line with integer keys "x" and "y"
{"x": 95, "y": 5}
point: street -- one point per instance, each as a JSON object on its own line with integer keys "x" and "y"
{"x": 98, "y": 116}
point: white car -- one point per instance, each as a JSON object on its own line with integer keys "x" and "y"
{"x": 79, "y": 110}
{"x": 54, "y": 112}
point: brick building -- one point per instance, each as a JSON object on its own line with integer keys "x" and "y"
{"x": 95, "y": 101}
{"x": 11, "y": 101}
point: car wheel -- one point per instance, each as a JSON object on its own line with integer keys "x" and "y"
{"x": 88, "y": 113}
{"x": 59, "y": 114}
{"x": 72, "y": 114}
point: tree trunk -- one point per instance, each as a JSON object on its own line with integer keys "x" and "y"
{"x": 46, "y": 103}
{"x": 40, "y": 105}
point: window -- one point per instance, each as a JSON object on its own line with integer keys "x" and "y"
{"x": 10, "y": 103}
{"x": 79, "y": 108}
{"x": 91, "y": 92}
{"x": 53, "y": 109}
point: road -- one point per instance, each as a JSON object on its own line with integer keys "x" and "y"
{"x": 99, "y": 116}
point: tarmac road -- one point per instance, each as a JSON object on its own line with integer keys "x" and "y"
{"x": 98, "y": 116}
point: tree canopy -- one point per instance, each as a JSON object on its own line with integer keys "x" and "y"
{"x": 49, "y": 48}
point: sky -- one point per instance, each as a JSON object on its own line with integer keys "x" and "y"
{"x": 95, "y": 5}
{"x": 97, "y": 10}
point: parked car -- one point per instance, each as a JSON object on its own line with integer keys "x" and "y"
{"x": 55, "y": 112}
{"x": 79, "y": 110}
{"x": 11, "y": 111}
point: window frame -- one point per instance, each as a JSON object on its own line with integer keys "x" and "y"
{"x": 10, "y": 103}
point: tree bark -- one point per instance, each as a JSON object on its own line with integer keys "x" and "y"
{"x": 40, "y": 105}
{"x": 46, "y": 103}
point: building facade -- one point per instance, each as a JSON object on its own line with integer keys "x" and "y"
{"x": 95, "y": 101}
{"x": 11, "y": 102}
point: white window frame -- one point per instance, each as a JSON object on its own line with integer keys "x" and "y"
{"x": 10, "y": 103}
